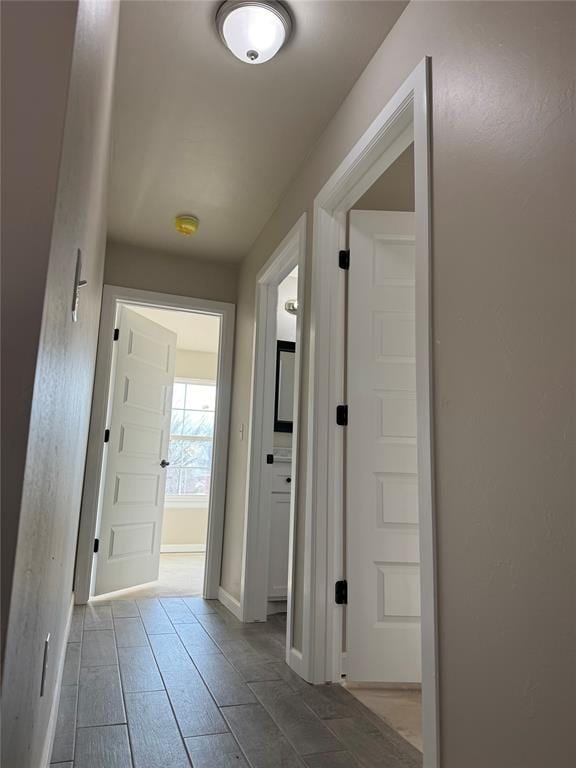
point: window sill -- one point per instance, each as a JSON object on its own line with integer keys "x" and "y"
{"x": 186, "y": 502}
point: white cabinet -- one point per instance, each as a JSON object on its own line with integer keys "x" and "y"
{"x": 279, "y": 530}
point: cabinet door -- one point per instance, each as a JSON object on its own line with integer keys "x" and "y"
{"x": 279, "y": 534}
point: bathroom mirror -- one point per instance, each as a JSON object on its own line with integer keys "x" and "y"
{"x": 284, "y": 395}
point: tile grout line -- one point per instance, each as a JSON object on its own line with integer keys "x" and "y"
{"x": 314, "y": 716}
{"x": 122, "y": 689}
{"x": 249, "y": 762}
{"x": 162, "y": 676}
{"x": 261, "y": 702}
{"x": 221, "y": 709}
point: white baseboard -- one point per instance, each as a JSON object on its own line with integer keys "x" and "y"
{"x": 197, "y": 548}
{"x": 230, "y": 602}
{"x": 276, "y": 606}
{"x": 295, "y": 661}
{"x": 51, "y": 730}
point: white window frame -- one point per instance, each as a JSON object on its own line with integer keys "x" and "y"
{"x": 191, "y": 501}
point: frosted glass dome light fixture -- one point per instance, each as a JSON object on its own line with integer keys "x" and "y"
{"x": 253, "y": 30}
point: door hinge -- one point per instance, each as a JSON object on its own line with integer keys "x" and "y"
{"x": 341, "y": 593}
{"x": 116, "y": 333}
{"x": 342, "y": 415}
{"x": 269, "y": 458}
{"x": 106, "y": 435}
{"x": 96, "y": 545}
{"x": 344, "y": 259}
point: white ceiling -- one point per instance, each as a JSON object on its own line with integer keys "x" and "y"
{"x": 197, "y": 332}
{"x": 197, "y": 131}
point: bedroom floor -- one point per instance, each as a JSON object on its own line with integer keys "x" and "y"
{"x": 180, "y": 574}
{"x": 401, "y": 709}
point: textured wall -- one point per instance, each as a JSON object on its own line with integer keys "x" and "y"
{"x": 504, "y": 346}
{"x": 196, "y": 365}
{"x": 185, "y": 525}
{"x": 134, "y": 267}
{"x": 32, "y": 131}
{"x": 394, "y": 190}
{"x": 62, "y": 388}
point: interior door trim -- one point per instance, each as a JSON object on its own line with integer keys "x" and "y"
{"x": 112, "y": 296}
{"x": 406, "y": 116}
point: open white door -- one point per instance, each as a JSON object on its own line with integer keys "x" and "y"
{"x": 383, "y": 612}
{"x": 135, "y": 478}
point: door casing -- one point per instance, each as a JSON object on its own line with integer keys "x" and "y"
{"x": 254, "y": 579}
{"x": 405, "y": 118}
{"x": 113, "y": 296}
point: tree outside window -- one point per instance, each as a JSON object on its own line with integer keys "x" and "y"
{"x": 191, "y": 439}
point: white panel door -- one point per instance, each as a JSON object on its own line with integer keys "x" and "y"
{"x": 383, "y": 612}
{"x": 134, "y": 482}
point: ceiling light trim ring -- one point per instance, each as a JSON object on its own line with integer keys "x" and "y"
{"x": 278, "y": 9}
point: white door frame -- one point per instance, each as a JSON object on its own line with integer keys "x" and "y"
{"x": 254, "y": 579}
{"x": 408, "y": 110}
{"x": 112, "y": 296}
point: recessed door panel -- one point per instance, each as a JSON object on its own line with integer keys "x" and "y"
{"x": 139, "y": 441}
{"x": 383, "y": 548}
{"x": 147, "y": 350}
{"x": 143, "y": 394}
{"x": 132, "y": 499}
{"x": 131, "y": 540}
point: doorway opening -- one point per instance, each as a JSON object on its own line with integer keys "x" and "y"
{"x": 272, "y": 495}
{"x": 188, "y": 475}
{"x": 369, "y": 611}
{"x": 155, "y": 485}
{"x": 382, "y": 549}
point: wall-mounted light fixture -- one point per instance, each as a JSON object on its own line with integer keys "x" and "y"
{"x": 253, "y": 30}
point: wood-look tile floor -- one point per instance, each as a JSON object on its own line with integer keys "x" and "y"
{"x": 400, "y": 708}
{"x": 174, "y": 682}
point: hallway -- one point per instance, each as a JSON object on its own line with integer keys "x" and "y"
{"x": 176, "y": 682}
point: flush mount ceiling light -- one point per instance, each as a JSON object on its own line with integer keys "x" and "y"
{"x": 254, "y": 31}
{"x": 186, "y": 224}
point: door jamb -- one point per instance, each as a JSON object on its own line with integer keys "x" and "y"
{"x": 111, "y": 297}
{"x": 253, "y": 588}
{"x": 323, "y": 620}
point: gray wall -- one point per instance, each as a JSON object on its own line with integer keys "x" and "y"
{"x": 32, "y": 132}
{"x": 60, "y": 60}
{"x": 134, "y": 267}
{"x": 394, "y": 190}
{"x": 504, "y": 346}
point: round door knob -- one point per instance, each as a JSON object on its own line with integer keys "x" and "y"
{"x": 288, "y": 479}
{"x": 164, "y": 463}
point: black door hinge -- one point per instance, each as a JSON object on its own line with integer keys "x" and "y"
{"x": 269, "y": 458}
{"x": 344, "y": 259}
{"x": 106, "y": 435}
{"x": 342, "y": 415}
{"x": 341, "y": 593}
{"x": 96, "y": 545}
{"x": 116, "y": 333}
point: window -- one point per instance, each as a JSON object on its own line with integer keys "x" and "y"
{"x": 191, "y": 440}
